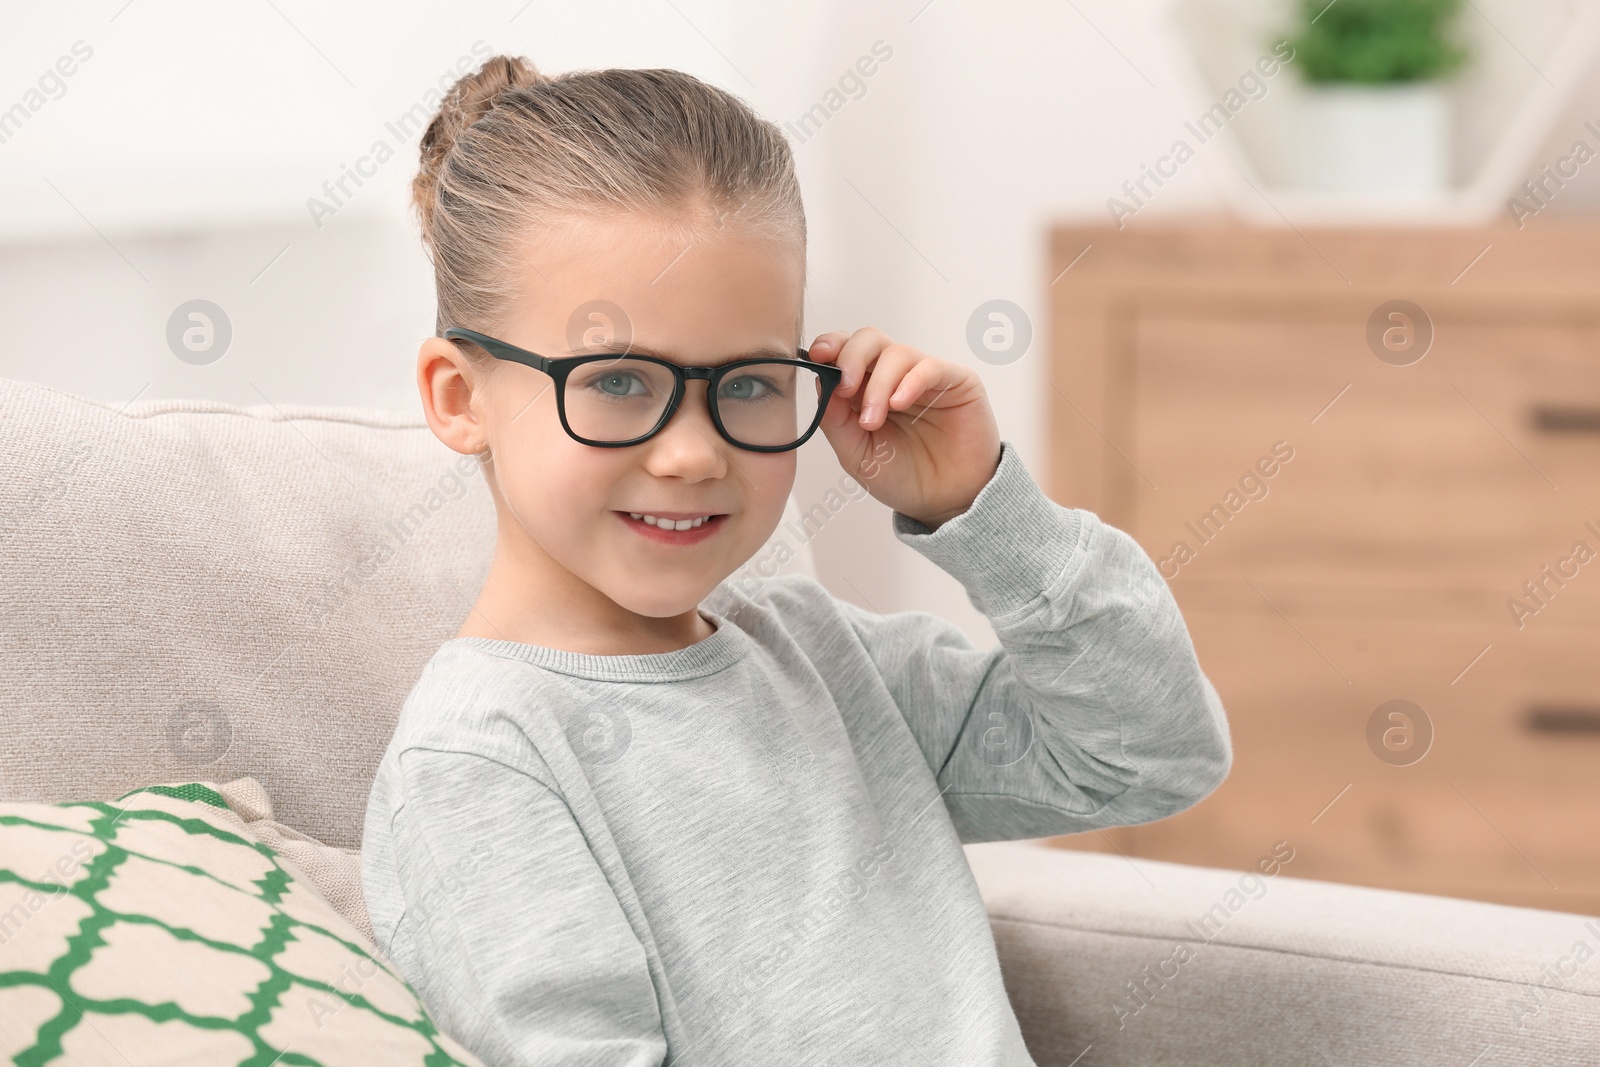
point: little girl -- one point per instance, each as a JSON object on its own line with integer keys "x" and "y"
{"x": 620, "y": 823}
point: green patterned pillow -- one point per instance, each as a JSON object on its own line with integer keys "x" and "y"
{"x": 156, "y": 930}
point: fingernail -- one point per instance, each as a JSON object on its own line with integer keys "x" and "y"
{"x": 849, "y": 381}
{"x": 868, "y": 413}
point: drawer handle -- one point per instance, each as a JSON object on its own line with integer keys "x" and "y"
{"x": 1553, "y": 719}
{"x": 1552, "y": 418}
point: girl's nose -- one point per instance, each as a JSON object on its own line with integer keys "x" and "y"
{"x": 690, "y": 435}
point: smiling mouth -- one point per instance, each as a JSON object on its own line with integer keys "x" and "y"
{"x": 685, "y": 531}
{"x": 669, "y": 522}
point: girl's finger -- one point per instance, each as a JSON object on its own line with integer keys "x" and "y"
{"x": 888, "y": 374}
{"x": 914, "y": 384}
{"x": 927, "y": 382}
{"x": 840, "y": 427}
{"x": 856, "y": 357}
{"x": 825, "y": 349}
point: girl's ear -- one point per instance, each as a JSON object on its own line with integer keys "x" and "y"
{"x": 452, "y": 396}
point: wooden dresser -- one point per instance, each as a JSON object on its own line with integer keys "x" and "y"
{"x": 1353, "y": 454}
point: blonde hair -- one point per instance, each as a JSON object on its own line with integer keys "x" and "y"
{"x": 512, "y": 152}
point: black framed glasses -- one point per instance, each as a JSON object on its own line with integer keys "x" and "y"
{"x": 613, "y": 400}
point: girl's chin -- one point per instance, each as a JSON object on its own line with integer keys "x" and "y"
{"x": 677, "y": 601}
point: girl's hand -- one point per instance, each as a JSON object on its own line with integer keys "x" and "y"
{"x": 917, "y": 431}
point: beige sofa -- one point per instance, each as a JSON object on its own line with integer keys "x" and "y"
{"x": 194, "y": 591}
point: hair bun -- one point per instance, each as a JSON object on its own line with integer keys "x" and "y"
{"x": 469, "y": 99}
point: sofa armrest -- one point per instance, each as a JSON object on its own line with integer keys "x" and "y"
{"x": 1142, "y": 962}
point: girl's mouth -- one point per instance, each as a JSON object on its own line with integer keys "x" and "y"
{"x": 667, "y": 536}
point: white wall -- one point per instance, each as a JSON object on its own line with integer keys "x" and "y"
{"x": 176, "y": 162}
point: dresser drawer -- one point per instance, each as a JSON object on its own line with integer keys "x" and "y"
{"x": 1503, "y": 805}
{"x": 1477, "y": 467}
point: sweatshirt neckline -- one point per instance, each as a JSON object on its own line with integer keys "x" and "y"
{"x": 707, "y": 656}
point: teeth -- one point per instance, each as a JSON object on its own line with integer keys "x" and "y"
{"x": 668, "y": 524}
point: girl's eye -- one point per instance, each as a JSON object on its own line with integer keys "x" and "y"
{"x": 747, "y": 387}
{"x": 616, "y": 384}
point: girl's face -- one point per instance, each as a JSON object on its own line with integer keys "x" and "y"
{"x": 566, "y": 542}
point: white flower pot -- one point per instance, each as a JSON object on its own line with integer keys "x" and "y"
{"x": 1390, "y": 139}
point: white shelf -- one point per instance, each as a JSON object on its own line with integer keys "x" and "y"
{"x": 1530, "y": 60}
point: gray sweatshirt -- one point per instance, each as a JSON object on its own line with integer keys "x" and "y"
{"x": 748, "y": 851}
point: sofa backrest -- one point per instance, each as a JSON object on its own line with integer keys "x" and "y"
{"x": 196, "y": 591}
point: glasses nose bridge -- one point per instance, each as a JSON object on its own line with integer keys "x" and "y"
{"x": 685, "y": 375}
{"x": 694, "y": 374}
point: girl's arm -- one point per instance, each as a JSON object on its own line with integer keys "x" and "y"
{"x": 1093, "y": 712}
{"x": 512, "y": 936}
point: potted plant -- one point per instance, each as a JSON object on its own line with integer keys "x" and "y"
{"x": 1376, "y": 114}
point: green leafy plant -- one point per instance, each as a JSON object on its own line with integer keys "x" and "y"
{"x": 1376, "y": 42}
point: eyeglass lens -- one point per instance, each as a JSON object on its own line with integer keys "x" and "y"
{"x": 769, "y": 405}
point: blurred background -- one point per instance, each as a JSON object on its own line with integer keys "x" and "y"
{"x": 1304, "y": 296}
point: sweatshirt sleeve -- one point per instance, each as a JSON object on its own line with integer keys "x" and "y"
{"x": 1092, "y": 712}
{"x": 511, "y": 934}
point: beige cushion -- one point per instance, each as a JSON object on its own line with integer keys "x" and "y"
{"x": 336, "y": 872}
{"x": 1153, "y": 962}
{"x": 195, "y": 590}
